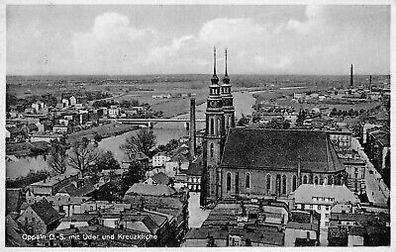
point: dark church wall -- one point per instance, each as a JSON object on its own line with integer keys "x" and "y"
{"x": 258, "y": 181}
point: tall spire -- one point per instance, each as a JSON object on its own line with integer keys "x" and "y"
{"x": 214, "y": 79}
{"x": 214, "y": 61}
{"x": 226, "y": 79}
{"x": 226, "y": 63}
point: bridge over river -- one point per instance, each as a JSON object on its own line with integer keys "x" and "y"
{"x": 151, "y": 121}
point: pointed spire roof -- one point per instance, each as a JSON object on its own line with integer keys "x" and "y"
{"x": 214, "y": 79}
{"x": 226, "y": 79}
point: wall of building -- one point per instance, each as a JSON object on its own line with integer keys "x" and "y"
{"x": 29, "y": 218}
{"x": 355, "y": 240}
{"x": 258, "y": 181}
{"x": 292, "y": 234}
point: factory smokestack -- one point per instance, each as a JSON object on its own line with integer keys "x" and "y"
{"x": 192, "y": 127}
{"x": 351, "y": 75}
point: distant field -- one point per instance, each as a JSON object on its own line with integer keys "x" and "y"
{"x": 178, "y": 84}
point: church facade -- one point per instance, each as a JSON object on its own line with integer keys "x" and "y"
{"x": 264, "y": 163}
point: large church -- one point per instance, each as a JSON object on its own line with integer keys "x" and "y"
{"x": 268, "y": 163}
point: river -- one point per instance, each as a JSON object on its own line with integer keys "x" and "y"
{"x": 164, "y": 132}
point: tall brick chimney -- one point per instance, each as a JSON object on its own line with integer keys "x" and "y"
{"x": 351, "y": 75}
{"x": 192, "y": 127}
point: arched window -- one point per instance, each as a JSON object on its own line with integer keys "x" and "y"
{"x": 236, "y": 182}
{"x": 310, "y": 181}
{"x": 211, "y": 150}
{"x": 294, "y": 183}
{"x": 321, "y": 180}
{"x": 211, "y": 126}
{"x": 330, "y": 180}
{"x": 228, "y": 182}
{"x": 218, "y": 126}
{"x": 284, "y": 184}
{"x": 268, "y": 182}
{"x": 316, "y": 180}
{"x": 278, "y": 184}
{"x": 247, "y": 184}
{"x": 305, "y": 179}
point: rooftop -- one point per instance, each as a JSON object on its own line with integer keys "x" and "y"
{"x": 306, "y": 192}
{"x": 147, "y": 189}
{"x": 51, "y": 181}
{"x": 280, "y": 149}
{"x": 46, "y": 212}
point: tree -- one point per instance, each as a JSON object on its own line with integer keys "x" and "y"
{"x": 143, "y": 141}
{"x": 243, "y": 121}
{"x": 57, "y": 160}
{"x": 135, "y": 173}
{"x": 302, "y": 115}
{"x": 97, "y": 137}
{"x": 83, "y": 157}
{"x": 106, "y": 161}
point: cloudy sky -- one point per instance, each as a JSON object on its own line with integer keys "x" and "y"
{"x": 180, "y": 39}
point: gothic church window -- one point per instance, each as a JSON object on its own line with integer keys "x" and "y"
{"x": 228, "y": 182}
{"x": 294, "y": 183}
{"x": 247, "y": 180}
{"x": 284, "y": 184}
{"x": 211, "y": 150}
{"x": 268, "y": 182}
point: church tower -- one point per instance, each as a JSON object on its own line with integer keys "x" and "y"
{"x": 214, "y": 137}
{"x": 228, "y": 100}
{"x": 214, "y": 120}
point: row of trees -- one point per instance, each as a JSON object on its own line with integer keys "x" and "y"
{"x": 351, "y": 112}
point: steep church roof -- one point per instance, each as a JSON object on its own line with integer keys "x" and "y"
{"x": 280, "y": 149}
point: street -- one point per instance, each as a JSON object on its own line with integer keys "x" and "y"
{"x": 377, "y": 191}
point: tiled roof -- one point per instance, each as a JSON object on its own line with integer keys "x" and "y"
{"x": 280, "y": 149}
{"x": 154, "y": 190}
{"x": 81, "y": 191}
{"x": 14, "y": 234}
{"x": 160, "y": 178}
{"x": 46, "y": 212}
{"x": 305, "y": 193}
{"x": 205, "y": 232}
{"x": 195, "y": 167}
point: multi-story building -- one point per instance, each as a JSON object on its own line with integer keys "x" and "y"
{"x": 160, "y": 159}
{"x": 321, "y": 198}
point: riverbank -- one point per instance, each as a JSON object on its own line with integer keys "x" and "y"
{"x": 27, "y": 148}
{"x": 105, "y": 131}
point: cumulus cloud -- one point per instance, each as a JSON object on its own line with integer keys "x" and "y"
{"x": 315, "y": 41}
{"x": 113, "y": 45}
